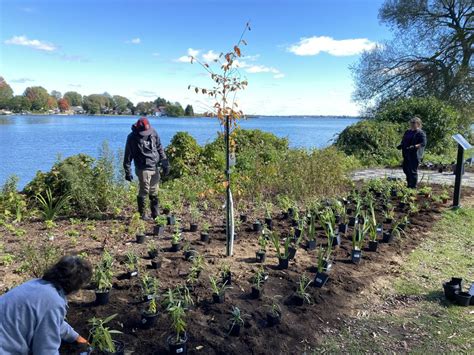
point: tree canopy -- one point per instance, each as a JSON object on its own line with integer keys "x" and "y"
{"x": 189, "y": 111}
{"x": 74, "y": 98}
{"x": 6, "y": 93}
{"x": 430, "y": 55}
{"x": 38, "y": 97}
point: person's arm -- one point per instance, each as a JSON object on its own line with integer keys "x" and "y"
{"x": 164, "y": 162}
{"x": 422, "y": 140}
{"x": 68, "y": 334}
{"x": 127, "y": 161}
{"x": 400, "y": 146}
{"x": 47, "y": 334}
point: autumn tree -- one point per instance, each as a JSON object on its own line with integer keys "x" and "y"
{"x": 63, "y": 105}
{"x": 6, "y": 93}
{"x": 430, "y": 55}
{"x": 74, "y": 98}
{"x": 120, "y": 104}
{"x": 38, "y": 97}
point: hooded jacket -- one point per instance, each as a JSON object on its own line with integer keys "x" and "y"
{"x": 144, "y": 148}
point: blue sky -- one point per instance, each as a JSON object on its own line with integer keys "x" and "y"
{"x": 296, "y": 61}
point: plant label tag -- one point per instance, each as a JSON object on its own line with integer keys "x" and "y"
{"x": 149, "y": 297}
{"x": 179, "y": 351}
{"x": 135, "y": 273}
{"x": 143, "y": 320}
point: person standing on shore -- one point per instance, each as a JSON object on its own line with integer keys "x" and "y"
{"x": 32, "y": 314}
{"x": 413, "y": 146}
{"x": 144, "y": 148}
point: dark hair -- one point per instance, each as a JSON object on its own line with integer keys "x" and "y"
{"x": 69, "y": 274}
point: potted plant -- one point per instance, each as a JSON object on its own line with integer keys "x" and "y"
{"x": 132, "y": 264}
{"x": 258, "y": 281}
{"x": 281, "y": 254}
{"x": 257, "y": 226}
{"x": 268, "y": 215}
{"x": 285, "y": 204}
{"x": 189, "y": 252}
{"x": 205, "y": 232}
{"x": 218, "y": 290}
{"x": 137, "y": 225}
{"x": 149, "y": 287}
{"x": 152, "y": 250}
{"x": 226, "y": 274}
{"x": 357, "y": 242}
{"x": 274, "y": 313}
{"x": 100, "y": 336}
{"x": 103, "y": 279}
{"x": 312, "y": 232}
{"x": 166, "y": 207}
{"x": 321, "y": 277}
{"x": 425, "y": 191}
{"x": 444, "y": 195}
{"x": 262, "y": 250}
{"x": 176, "y": 240}
{"x": 301, "y": 296}
{"x": 160, "y": 223}
{"x": 243, "y": 218}
{"x": 195, "y": 217}
{"x": 177, "y": 342}
{"x": 150, "y": 314}
{"x": 236, "y": 321}
{"x": 452, "y": 287}
{"x": 372, "y": 228}
{"x": 392, "y": 233}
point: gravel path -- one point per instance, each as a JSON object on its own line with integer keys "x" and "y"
{"x": 423, "y": 175}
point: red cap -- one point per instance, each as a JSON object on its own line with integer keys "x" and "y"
{"x": 142, "y": 124}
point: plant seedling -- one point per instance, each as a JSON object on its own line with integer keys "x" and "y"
{"x": 150, "y": 287}
{"x": 132, "y": 263}
{"x": 274, "y": 312}
{"x": 302, "y": 294}
{"x": 177, "y": 314}
{"x": 218, "y": 289}
{"x": 100, "y": 336}
{"x": 226, "y": 274}
{"x": 152, "y": 250}
{"x": 236, "y": 321}
{"x": 161, "y": 220}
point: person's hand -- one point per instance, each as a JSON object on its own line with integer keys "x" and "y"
{"x": 165, "y": 164}
{"x": 399, "y": 146}
{"x": 81, "y": 340}
{"x": 129, "y": 177}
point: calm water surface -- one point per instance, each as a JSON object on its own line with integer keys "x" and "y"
{"x": 31, "y": 143}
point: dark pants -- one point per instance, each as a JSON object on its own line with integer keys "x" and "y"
{"x": 410, "y": 168}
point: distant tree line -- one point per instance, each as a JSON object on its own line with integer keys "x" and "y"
{"x": 37, "y": 99}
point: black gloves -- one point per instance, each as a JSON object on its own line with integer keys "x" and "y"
{"x": 399, "y": 147}
{"x": 165, "y": 164}
{"x": 128, "y": 177}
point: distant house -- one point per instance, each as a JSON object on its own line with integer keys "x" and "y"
{"x": 160, "y": 111}
{"x": 76, "y": 110}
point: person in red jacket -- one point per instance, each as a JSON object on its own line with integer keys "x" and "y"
{"x": 144, "y": 148}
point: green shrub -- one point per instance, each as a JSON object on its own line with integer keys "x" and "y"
{"x": 12, "y": 203}
{"x": 372, "y": 142}
{"x": 184, "y": 154}
{"x": 91, "y": 185}
{"x": 440, "y": 120}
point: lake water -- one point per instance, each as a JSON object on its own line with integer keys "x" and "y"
{"x": 31, "y": 143}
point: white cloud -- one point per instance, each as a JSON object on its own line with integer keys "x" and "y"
{"x": 317, "y": 44}
{"x": 155, "y": 54}
{"x": 279, "y": 76}
{"x": 210, "y": 56}
{"x": 255, "y": 69}
{"x": 136, "y": 40}
{"x": 32, "y": 43}
{"x": 21, "y": 80}
{"x": 145, "y": 93}
{"x": 187, "y": 58}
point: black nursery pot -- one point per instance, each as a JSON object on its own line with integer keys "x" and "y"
{"x": 227, "y": 279}
{"x": 311, "y": 244}
{"x": 175, "y": 247}
{"x": 101, "y": 298}
{"x": 177, "y": 347}
{"x": 388, "y": 220}
{"x": 189, "y": 254}
{"x": 450, "y": 289}
{"x": 158, "y": 230}
{"x": 152, "y": 254}
{"x": 218, "y": 298}
{"x": 171, "y": 220}
{"x": 269, "y": 223}
{"x": 297, "y": 300}
{"x": 261, "y": 256}
{"x": 294, "y": 223}
{"x": 166, "y": 210}
{"x": 342, "y": 228}
{"x": 336, "y": 240}
{"x": 148, "y": 320}
{"x": 155, "y": 264}
{"x": 463, "y": 299}
{"x": 204, "y": 237}
{"x": 285, "y": 215}
{"x": 297, "y": 233}
{"x": 257, "y": 227}
{"x": 243, "y": 218}
{"x": 373, "y": 244}
{"x": 140, "y": 238}
{"x": 256, "y": 293}
{"x": 320, "y": 279}
{"x": 273, "y": 318}
{"x": 338, "y": 218}
{"x": 119, "y": 348}
{"x": 349, "y": 211}
{"x": 193, "y": 227}
{"x": 352, "y": 221}
{"x": 291, "y": 253}
{"x": 234, "y": 330}
{"x": 388, "y": 237}
{"x": 283, "y": 263}
{"x": 291, "y": 212}
{"x": 356, "y": 256}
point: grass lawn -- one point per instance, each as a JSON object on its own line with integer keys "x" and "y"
{"x": 412, "y": 316}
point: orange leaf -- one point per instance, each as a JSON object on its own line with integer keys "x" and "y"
{"x": 237, "y": 50}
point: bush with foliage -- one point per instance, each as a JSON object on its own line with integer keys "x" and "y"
{"x": 184, "y": 154}
{"x": 12, "y": 203}
{"x": 92, "y": 185}
{"x": 372, "y": 142}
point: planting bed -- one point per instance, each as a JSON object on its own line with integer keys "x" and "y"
{"x": 207, "y": 322}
